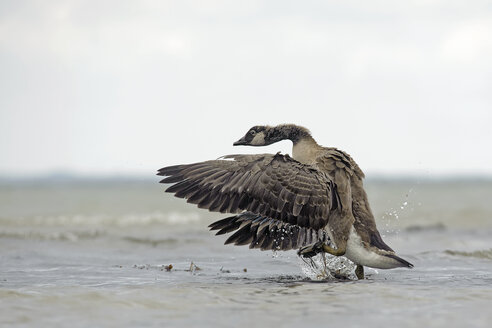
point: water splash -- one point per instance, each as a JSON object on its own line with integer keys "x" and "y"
{"x": 324, "y": 266}
{"x": 394, "y": 213}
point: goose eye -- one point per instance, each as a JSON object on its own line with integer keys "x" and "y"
{"x": 252, "y": 132}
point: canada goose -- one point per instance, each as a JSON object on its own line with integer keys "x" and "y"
{"x": 287, "y": 203}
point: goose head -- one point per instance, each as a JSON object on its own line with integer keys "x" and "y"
{"x": 264, "y": 135}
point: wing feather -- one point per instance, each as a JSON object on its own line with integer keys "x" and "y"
{"x": 274, "y": 186}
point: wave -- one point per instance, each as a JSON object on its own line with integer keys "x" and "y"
{"x": 81, "y": 235}
{"x": 134, "y": 219}
{"x": 150, "y": 241}
{"x": 53, "y": 235}
{"x": 481, "y": 254}
{"x": 438, "y": 226}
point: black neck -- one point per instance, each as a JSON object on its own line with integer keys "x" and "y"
{"x": 288, "y": 131}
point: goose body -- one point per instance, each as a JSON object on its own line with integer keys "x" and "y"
{"x": 282, "y": 202}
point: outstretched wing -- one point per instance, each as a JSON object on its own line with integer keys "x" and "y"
{"x": 274, "y": 186}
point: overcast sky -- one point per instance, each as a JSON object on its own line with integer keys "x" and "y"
{"x": 116, "y": 87}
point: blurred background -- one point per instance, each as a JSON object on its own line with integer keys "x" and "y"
{"x": 95, "y": 96}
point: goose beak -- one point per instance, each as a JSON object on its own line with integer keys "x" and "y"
{"x": 241, "y": 142}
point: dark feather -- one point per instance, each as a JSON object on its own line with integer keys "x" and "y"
{"x": 266, "y": 233}
{"x": 377, "y": 241}
{"x": 223, "y": 223}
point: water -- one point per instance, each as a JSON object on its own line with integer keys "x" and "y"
{"x": 94, "y": 253}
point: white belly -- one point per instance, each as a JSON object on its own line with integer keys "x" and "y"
{"x": 357, "y": 253}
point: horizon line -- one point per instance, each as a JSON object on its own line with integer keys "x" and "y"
{"x": 62, "y": 176}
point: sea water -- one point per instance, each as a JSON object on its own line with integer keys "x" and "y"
{"x": 108, "y": 253}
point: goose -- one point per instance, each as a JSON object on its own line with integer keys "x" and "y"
{"x": 313, "y": 201}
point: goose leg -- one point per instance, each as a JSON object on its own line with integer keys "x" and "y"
{"x": 313, "y": 249}
{"x": 359, "y": 272}
{"x": 337, "y": 252}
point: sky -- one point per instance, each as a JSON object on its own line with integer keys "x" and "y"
{"x": 126, "y": 87}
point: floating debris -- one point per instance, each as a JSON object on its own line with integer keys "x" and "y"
{"x": 245, "y": 270}
{"x": 141, "y": 267}
{"x": 193, "y": 268}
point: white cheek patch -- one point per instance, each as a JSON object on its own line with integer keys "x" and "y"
{"x": 259, "y": 139}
